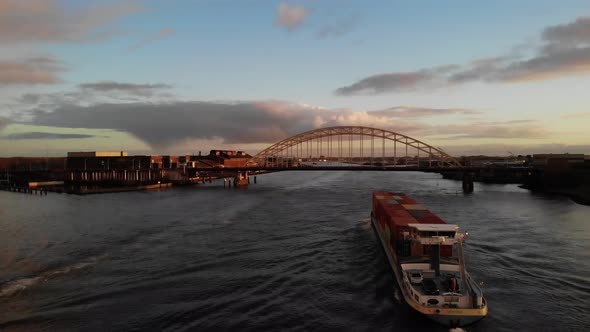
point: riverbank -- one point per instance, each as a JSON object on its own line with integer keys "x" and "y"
{"x": 580, "y": 195}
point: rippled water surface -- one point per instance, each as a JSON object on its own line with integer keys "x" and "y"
{"x": 293, "y": 252}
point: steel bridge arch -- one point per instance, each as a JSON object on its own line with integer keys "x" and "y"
{"x": 431, "y": 151}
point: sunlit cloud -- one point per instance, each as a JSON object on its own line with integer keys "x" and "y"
{"x": 29, "y": 21}
{"x": 32, "y": 70}
{"x": 418, "y": 112}
{"x": 576, "y": 115}
{"x": 290, "y": 16}
{"x": 565, "y": 51}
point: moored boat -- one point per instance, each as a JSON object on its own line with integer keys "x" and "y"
{"x": 426, "y": 257}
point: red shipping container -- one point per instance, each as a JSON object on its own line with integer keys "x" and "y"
{"x": 407, "y": 200}
{"x": 402, "y": 221}
{"x": 427, "y": 213}
{"x": 399, "y": 213}
{"x": 381, "y": 222}
{"x": 399, "y": 225}
{"x": 394, "y": 207}
{"x": 379, "y": 197}
{"x": 446, "y": 250}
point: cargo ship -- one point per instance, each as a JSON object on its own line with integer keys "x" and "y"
{"x": 426, "y": 257}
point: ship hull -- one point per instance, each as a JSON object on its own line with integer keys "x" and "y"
{"x": 444, "y": 316}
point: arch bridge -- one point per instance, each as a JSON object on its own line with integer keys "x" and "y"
{"x": 352, "y": 146}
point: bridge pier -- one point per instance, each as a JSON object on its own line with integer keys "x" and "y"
{"x": 467, "y": 182}
{"x": 241, "y": 179}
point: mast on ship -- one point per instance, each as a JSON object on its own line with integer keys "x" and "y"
{"x": 461, "y": 261}
{"x": 435, "y": 236}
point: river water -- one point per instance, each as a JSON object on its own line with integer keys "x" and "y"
{"x": 293, "y": 252}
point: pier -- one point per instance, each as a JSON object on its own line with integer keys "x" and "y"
{"x": 24, "y": 190}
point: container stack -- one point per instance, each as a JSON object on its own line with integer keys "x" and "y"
{"x": 394, "y": 211}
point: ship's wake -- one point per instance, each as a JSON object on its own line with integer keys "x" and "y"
{"x": 365, "y": 223}
{"x": 14, "y": 287}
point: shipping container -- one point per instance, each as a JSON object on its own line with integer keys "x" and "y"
{"x": 413, "y": 207}
{"x": 430, "y": 220}
{"x": 399, "y": 226}
{"x": 399, "y": 213}
{"x": 394, "y": 211}
{"x": 407, "y": 200}
{"x": 446, "y": 250}
{"x": 416, "y": 249}
{"x": 418, "y": 213}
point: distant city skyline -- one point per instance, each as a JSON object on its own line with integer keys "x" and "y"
{"x": 179, "y": 77}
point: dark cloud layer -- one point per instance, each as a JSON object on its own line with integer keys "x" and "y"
{"x": 565, "y": 51}
{"x": 144, "y": 90}
{"x": 388, "y": 82}
{"x": 44, "y": 135}
{"x": 162, "y": 125}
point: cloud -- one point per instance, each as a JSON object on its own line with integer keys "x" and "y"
{"x": 144, "y": 90}
{"x": 3, "y": 123}
{"x": 290, "y": 16}
{"x": 402, "y": 81}
{"x": 34, "y": 70}
{"x": 339, "y": 28}
{"x": 565, "y": 51}
{"x": 524, "y": 129}
{"x": 381, "y": 83}
{"x": 162, "y": 34}
{"x": 576, "y": 115}
{"x": 26, "y": 21}
{"x": 43, "y": 135}
{"x": 569, "y": 34}
{"x": 417, "y": 112}
{"x": 164, "y": 125}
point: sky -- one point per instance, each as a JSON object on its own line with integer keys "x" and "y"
{"x": 180, "y": 76}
